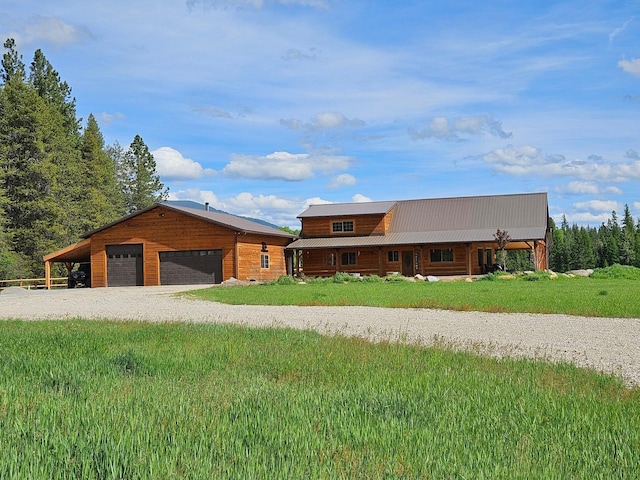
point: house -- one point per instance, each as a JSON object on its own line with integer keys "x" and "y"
{"x": 442, "y": 236}
{"x": 169, "y": 245}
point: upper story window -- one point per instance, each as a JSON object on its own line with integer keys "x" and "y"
{"x": 344, "y": 226}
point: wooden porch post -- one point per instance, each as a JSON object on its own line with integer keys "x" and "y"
{"x": 47, "y": 275}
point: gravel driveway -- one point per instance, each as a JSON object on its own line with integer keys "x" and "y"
{"x": 606, "y": 344}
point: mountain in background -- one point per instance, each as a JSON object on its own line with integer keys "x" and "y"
{"x": 199, "y": 206}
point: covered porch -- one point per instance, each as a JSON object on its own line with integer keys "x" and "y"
{"x": 69, "y": 256}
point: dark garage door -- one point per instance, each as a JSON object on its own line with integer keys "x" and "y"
{"x": 124, "y": 265}
{"x": 190, "y": 267}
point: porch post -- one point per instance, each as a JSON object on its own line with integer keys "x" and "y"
{"x": 47, "y": 275}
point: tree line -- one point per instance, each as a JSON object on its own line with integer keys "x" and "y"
{"x": 613, "y": 242}
{"x": 58, "y": 178}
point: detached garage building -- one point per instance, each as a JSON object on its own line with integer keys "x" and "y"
{"x": 173, "y": 245}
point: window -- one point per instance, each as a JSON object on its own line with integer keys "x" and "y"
{"x": 441, "y": 255}
{"x": 348, "y": 258}
{"x": 329, "y": 259}
{"x": 341, "y": 227}
{"x": 485, "y": 257}
{"x": 393, "y": 256}
{"x": 264, "y": 261}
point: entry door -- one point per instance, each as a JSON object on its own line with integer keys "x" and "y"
{"x": 124, "y": 265}
{"x": 407, "y": 264}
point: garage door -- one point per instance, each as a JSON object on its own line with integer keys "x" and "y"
{"x": 124, "y": 265}
{"x": 190, "y": 267}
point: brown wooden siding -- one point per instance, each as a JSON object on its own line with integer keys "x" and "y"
{"x": 250, "y": 251}
{"x": 162, "y": 229}
{"x": 363, "y": 225}
{"x": 376, "y": 261}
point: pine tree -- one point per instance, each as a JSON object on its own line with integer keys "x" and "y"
{"x": 140, "y": 183}
{"x": 12, "y": 65}
{"x": 101, "y": 196}
{"x": 627, "y": 239}
{"x": 57, "y": 93}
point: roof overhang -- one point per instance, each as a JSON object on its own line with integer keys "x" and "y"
{"x": 417, "y": 238}
{"x": 75, "y": 253}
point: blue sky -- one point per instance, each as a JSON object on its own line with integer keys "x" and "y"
{"x": 262, "y": 107}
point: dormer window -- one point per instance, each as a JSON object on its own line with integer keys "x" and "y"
{"x": 344, "y": 226}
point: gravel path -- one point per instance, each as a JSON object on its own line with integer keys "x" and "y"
{"x": 606, "y": 344}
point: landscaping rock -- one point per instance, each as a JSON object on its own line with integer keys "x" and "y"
{"x": 582, "y": 273}
{"x": 431, "y": 278}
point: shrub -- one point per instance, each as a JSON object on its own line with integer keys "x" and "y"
{"x": 286, "y": 280}
{"x": 618, "y": 271}
{"x": 539, "y": 275}
{"x": 373, "y": 279}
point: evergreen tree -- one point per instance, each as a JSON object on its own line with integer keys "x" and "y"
{"x": 140, "y": 183}
{"x": 57, "y": 93}
{"x": 12, "y": 65}
{"x": 627, "y": 239}
{"x": 559, "y": 255}
{"x": 30, "y": 174}
{"x": 101, "y": 196}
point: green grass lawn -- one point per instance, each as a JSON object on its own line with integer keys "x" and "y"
{"x": 102, "y": 400}
{"x": 600, "y": 297}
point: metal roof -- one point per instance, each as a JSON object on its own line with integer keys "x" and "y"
{"x": 224, "y": 219}
{"x": 449, "y": 220}
{"x": 506, "y": 212}
{"x": 415, "y": 238}
{"x": 341, "y": 209}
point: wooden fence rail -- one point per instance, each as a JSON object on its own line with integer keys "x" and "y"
{"x": 29, "y": 283}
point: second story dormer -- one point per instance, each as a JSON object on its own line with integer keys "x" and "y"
{"x": 348, "y": 219}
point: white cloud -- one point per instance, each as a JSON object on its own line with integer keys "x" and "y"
{"x": 342, "y": 180}
{"x": 171, "y": 165}
{"x": 584, "y": 218}
{"x": 284, "y": 165}
{"x": 109, "y": 118}
{"x": 197, "y": 195}
{"x": 527, "y": 160}
{"x": 457, "y": 129}
{"x": 636, "y": 206}
{"x": 324, "y": 121}
{"x": 588, "y": 188}
{"x": 247, "y": 202}
{"x": 598, "y": 205}
{"x": 359, "y": 198}
{"x": 315, "y": 201}
{"x": 581, "y": 188}
{"x": 52, "y": 30}
{"x": 618, "y": 31}
{"x": 631, "y": 66}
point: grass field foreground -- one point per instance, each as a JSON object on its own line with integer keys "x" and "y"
{"x": 594, "y": 297}
{"x": 103, "y": 400}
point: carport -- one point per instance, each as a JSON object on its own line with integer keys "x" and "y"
{"x": 70, "y": 255}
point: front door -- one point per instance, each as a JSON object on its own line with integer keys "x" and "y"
{"x": 407, "y": 264}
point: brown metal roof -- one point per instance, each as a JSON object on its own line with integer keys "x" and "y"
{"x": 451, "y": 220}
{"x": 341, "y": 209}
{"x": 471, "y": 213}
{"x": 76, "y": 253}
{"x": 234, "y": 222}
